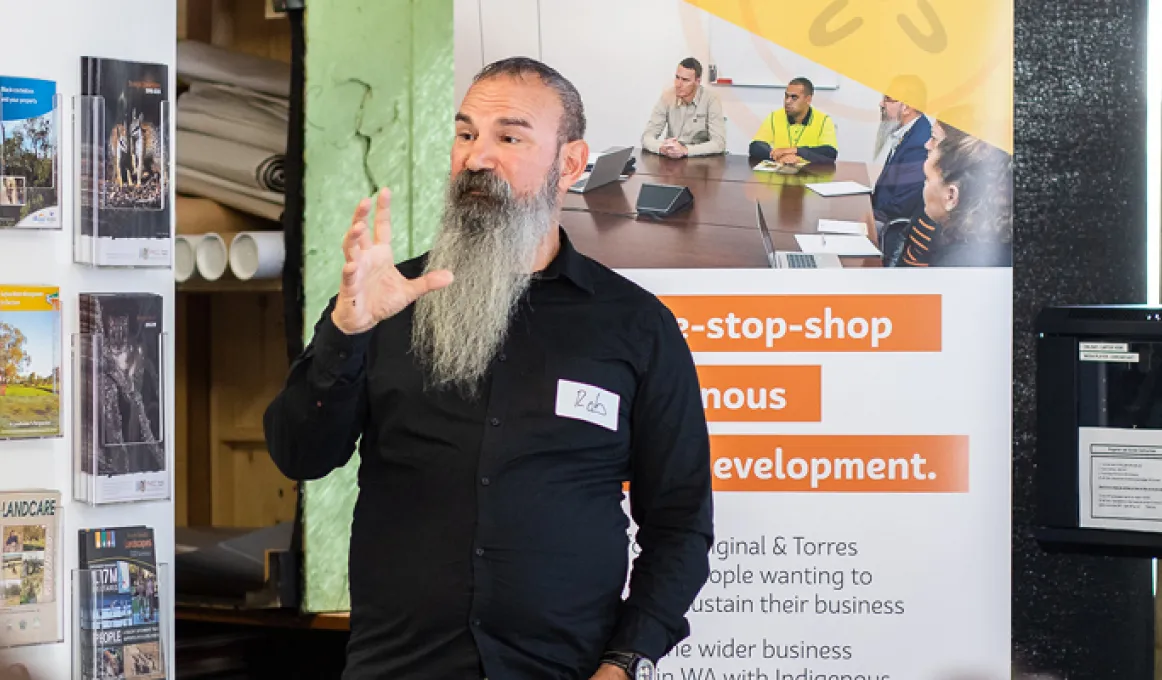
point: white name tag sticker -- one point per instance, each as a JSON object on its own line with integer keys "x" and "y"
{"x": 586, "y": 402}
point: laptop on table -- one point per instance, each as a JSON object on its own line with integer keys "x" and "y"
{"x": 606, "y": 169}
{"x": 788, "y": 259}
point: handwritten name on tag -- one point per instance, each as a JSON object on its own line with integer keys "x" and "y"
{"x": 586, "y": 402}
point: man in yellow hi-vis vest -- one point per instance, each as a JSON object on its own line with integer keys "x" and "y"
{"x": 798, "y": 132}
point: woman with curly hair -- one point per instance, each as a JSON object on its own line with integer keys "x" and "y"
{"x": 967, "y": 219}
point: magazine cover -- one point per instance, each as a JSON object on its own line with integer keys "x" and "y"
{"x": 124, "y": 138}
{"x": 119, "y": 605}
{"x": 29, "y": 607}
{"x": 121, "y": 395}
{"x": 29, "y": 154}
{"x": 29, "y": 362}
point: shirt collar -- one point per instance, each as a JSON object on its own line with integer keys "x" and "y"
{"x": 806, "y": 118}
{"x": 693, "y": 100}
{"x": 569, "y": 264}
{"x": 903, "y": 130}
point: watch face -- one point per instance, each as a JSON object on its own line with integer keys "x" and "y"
{"x": 644, "y": 670}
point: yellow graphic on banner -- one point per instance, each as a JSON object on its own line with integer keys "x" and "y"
{"x": 955, "y": 55}
{"x": 29, "y": 299}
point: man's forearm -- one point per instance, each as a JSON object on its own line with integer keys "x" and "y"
{"x": 818, "y": 154}
{"x": 707, "y": 148}
{"x": 666, "y": 577}
{"x": 651, "y": 143}
{"x": 760, "y": 151}
{"x": 312, "y": 425}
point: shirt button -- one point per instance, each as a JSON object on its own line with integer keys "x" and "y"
{"x": 480, "y": 552}
{"x": 503, "y": 357}
{"x": 485, "y": 481}
{"x": 476, "y": 622}
{"x": 494, "y": 421}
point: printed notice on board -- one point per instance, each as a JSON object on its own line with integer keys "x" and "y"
{"x": 1120, "y": 478}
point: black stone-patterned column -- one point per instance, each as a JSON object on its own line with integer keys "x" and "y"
{"x": 1080, "y": 237}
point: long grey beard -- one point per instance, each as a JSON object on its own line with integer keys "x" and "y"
{"x": 489, "y": 243}
{"x": 887, "y": 128}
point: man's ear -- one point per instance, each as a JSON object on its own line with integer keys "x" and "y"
{"x": 573, "y": 159}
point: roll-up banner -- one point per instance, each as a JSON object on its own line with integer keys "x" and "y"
{"x": 843, "y": 279}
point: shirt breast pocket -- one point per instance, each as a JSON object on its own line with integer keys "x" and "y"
{"x": 585, "y": 403}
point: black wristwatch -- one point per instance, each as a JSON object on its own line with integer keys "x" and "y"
{"x": 636, "y": 666}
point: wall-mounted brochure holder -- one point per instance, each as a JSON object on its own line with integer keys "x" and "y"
{"x": 122, "y": 158}
{"x": 32, "y": 608}
{"x": 119, "y": 419}
{"x": 30, "y": 159}
{"x": 120, "y": 628}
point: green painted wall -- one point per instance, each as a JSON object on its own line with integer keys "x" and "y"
{"x": 379, "y": 79}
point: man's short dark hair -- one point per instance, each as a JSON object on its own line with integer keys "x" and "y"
{"x": 694, "y": 65}
{"x": 572, "y": 125}
{"x": 808, "y": 86}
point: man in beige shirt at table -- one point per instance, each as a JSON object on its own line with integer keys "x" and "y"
{"x": 689, "y": 114}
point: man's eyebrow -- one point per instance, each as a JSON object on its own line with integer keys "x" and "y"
{"x": 505, "y": 122}
{"x": 515, "y": 122}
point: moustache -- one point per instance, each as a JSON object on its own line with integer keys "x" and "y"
{"x": 481, "y": 185}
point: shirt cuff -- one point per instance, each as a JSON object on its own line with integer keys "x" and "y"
{"x": 759, "y": 150}
{"x": 640, "y": 633}
{"x": 337, "y": 357}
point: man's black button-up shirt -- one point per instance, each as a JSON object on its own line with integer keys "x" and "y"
{"x": 489, "y": 536}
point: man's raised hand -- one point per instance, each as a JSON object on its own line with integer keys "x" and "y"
{"x": 371, "y": 288}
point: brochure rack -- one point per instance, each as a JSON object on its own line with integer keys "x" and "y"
{"x": 30, "y": 194}
{"x": 32, "y": 608}
{"x": 119, "y": 622}
{"x": 31, "y": 402}
{"x": 122, "y": 202}
{"x": 119, "y": 423}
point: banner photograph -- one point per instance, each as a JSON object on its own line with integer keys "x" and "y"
{"x": 777, "y": 174}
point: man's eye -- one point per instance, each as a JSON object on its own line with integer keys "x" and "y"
{"x": 466, "y": 136}
{"x": 509, "y": 139}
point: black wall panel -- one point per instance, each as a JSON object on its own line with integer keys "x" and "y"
{"x": 1080, "y": 151}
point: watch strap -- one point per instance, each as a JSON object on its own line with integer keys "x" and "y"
{"x": 623, "y": 660}
{"x": 629, "y": 662}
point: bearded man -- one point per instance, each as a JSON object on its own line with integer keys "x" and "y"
{"x": 903, "y": 133}
{"x": 502, "y": 388}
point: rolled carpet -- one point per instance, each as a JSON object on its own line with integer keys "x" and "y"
{"x": 265, "y": 204}
{"x": 230, "y": 101}
{"x": 239, "y": 163}
{"x": 235, "y": 114}
{"x": 267, "y": 139}
{"x": 199, "y": 61}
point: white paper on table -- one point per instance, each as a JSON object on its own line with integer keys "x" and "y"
{"x": 844, "y": 245}
{"x": 842, "y": 227}
{"x": 838, "y": 188}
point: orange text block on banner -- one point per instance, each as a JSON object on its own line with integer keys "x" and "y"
{"x": 809, "y": 323}
{"x": 762, "y": 394}
{"x": 840, "y": 463}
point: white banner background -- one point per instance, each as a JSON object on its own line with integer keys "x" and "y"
{"x": 944, "y": 556}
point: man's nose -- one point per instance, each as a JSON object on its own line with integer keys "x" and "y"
{"x": 482, "y": 155}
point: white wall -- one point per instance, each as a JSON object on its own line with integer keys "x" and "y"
{"x": 621, "y": 54}
{"x": 142, "y": 30}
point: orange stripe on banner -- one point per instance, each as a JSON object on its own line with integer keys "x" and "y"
{"x": 840, "y": 463}
{"x": 762, "y": 393}
{"x": 809, "y": 323}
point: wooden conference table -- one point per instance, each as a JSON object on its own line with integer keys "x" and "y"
{"x": 720, "y": 230}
